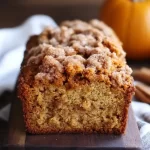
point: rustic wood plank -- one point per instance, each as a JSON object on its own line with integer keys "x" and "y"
{"x": 16, "y": 133}
{"x": 19, "y": 139}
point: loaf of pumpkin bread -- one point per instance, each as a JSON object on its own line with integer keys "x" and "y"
{"x": 74, "y": 78}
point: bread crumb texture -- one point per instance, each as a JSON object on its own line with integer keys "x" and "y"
{"x": 74, "y": 78}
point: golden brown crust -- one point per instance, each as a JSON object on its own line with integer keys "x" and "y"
{"x": 128, "y": 98}
{"x": 78, "y": 49}
{"x": 75, "y": 54}
{"x": 23, "y": 90}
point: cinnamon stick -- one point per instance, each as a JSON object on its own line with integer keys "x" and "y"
{"x": 142, "y": 92}
{"x": 142, "y": 74}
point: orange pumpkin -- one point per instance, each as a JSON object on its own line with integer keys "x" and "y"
{"x": 130, "y": 19}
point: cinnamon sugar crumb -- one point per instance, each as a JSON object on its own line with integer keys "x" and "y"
{"x": 91, "y": 49}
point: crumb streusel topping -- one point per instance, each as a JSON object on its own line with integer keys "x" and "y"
{"x": 78, "y": 51}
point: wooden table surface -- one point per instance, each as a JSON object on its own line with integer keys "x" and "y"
{"x": 5, "y": 99}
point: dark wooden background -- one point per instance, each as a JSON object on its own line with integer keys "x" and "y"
{"x": 14, "y": 12}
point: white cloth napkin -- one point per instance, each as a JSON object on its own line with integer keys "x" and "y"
{"x": 12, "y": 46}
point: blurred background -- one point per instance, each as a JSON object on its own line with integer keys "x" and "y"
{"x": 132, "y": 28}
{"x": 14, "y": 12}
